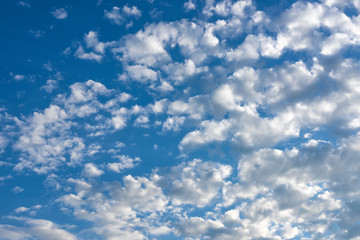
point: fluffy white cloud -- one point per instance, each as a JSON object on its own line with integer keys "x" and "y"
{"x": 120, "y": 16}
{"x": 125, "y": 162}
{"x": 34, "y": 228}
{"x": 190, "y": 5}
{"x": 92, "y": 42}
{"x": 22, "y": 209}
{"x": 47, "y": 139}
{"x": 277, "y": 93}
{"x": 211, "y": 132}
{"x": 120, "y": 213}
{"x": 60, "y": 13}
{"x": 81, "y": 54}
{"x": 42, "y": 150}
{"x": 139, "y": 73}
{"x": 173, "y": 123}
{"x": 91, "y": 170}
{"x": 196, "y": 182}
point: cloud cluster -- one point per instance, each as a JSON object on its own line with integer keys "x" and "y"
{"x": 275, "y": 96}
{"x": 120, "y": 16}
{"x": 34, "y": 228}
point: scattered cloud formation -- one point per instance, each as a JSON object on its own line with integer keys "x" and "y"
{"x": 229, "y": 119}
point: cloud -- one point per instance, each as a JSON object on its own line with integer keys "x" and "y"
{"x": 22, "y": 209}
{"x": 211, "y": 132}
{"x": 91, "y": 170}
{"x": 39, "y": 145}
{"x": 173, "y": 123}
{"x": 50, "y": 86}
{"x": 190, "y": 5}
{"x": 17, "y": 77}
{"x": 275, "y": 94}
{"x": 34, "y": 228}
{"x": 139, "y": 73}
{"x": 120, "y": 16}
{"x": 81, "y": 54}
{"x": 125, "y": 162}
{"x": 196, "y": 182}
{"x": 97, "y": 48}
{"x": 131, "y": 11}
{"x": 46, "y": 138}
{"x": 17, "y": 189}
{"x": 60, "y": 13}
{"x": 23, "y": 4}
{"x": 126, "y": 203}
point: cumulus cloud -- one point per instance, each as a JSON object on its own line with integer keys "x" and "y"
{"x": 190, "y": 5}
{"x": 211, "y": 132}
{"x": 35, "y": 228}
{"x": 126, "y": 203}
{"x": 125, "y": 162}
{"x": 120, "y": 16}
{"x": 275, "y": 94}
{"x": 22, "y": 209}
{"x": 81, "y": 54}
{"x": 197, "y": 183}
{"x": 60, "y": 13}
{"x": 47, "y": 140}
{"x": 97, "y": 48}
{"x": 139, "y": 73}
{"x": 91, "y": 170}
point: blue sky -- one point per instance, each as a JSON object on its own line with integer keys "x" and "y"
{"x": 197, "y": 119}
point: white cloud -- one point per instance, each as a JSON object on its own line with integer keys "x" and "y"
{"x": 91, "y": 170}
{"x": 47, "y": 140}
{"x": 22, "y": 209}
{"x": 159, "y": 106}
{"x": 211, "y": 132}
{"x": 196, "y": 182}
{"x": 120, "y": 16}
{"x": 131, "y": 11}
{"x": 178, "y": 72}
{"x": 195, "y": 107}
{"x": 141, "y": 121}
{"x": 147, "y": 47}
{"x": 42, "y": 151}
{"x": 125, "y": 162}
{"x": 140, "y": 73}
{"x": 98, "y": 48}
{"x": 18, "y": 77}
{"x": 35, "y": 228}
{"x": 60, "y": 13}
{"x": 190, "y": 5}
{"x": 173, "y": 123}
{"x": 235, "y": 78}
{"x": 37, "y": 33}
{"x": 119, "y": 214}
{"x": 92, "y": 41}
{"x": 119, "y": 121}
{"x": 23, "y": 4}
{"x": 81, "y": 54}
{"x": 3, "y": 143}
{"x": 50, "y": 86}
{"x": 82, "y": 99}
{"x": 115, "y": 16}
{"x": 18, "y": 189}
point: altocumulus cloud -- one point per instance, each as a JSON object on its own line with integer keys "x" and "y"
{"x": 190, "y": 120}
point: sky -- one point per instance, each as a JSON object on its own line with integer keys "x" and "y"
{"x": 199, "y": 119}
